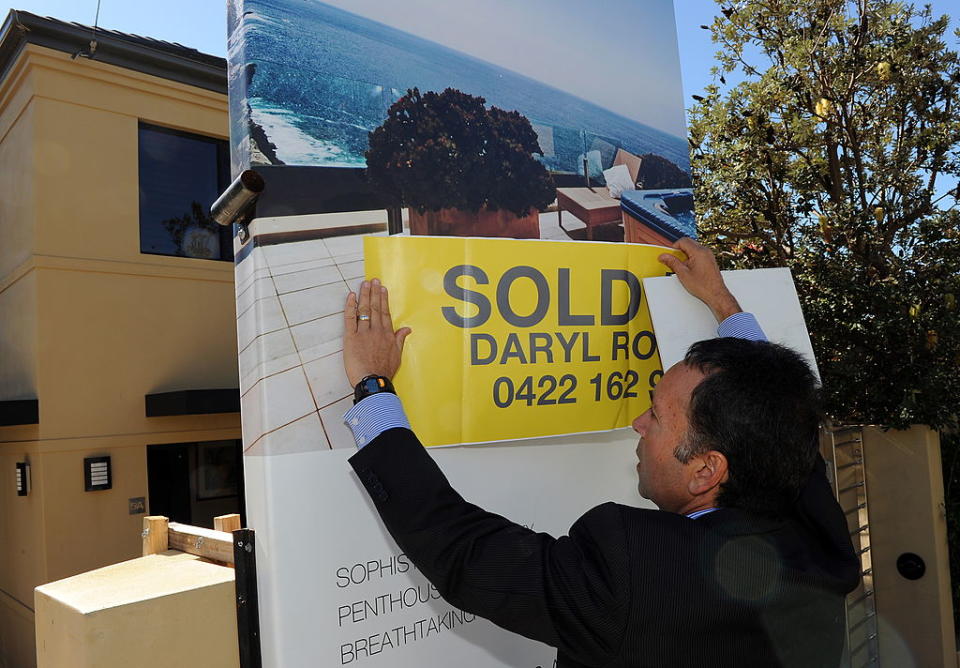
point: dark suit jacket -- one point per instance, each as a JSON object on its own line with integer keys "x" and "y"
{"x": 628, "y": 587}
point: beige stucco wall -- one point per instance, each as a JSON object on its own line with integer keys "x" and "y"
{"x": 107, "y": 339}
{"x": 16, "y": 632}
{"x": 88, "y": 324}
{"x": 18, "y": 344}
{"x": 17, "y": 212}
{"x": 905, "y": 497}
{"x": 16, "y": 182}
{"x": 22, "y": 548}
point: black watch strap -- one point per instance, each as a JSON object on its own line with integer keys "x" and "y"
{"x": 372, "y": 384}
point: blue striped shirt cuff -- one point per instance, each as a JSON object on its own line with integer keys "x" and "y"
{"x": 374, "y": 415}
{"x": 741, "y": 325}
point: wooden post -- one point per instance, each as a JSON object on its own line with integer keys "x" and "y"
{"x": 228, "y": 523}
{"x": 154, "y": 534}
{"x": 200, "y": 541}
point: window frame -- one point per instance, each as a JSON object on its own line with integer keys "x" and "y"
{"x": 226, "y": 232}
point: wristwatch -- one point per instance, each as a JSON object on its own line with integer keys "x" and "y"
{"x": 372, "y": 384}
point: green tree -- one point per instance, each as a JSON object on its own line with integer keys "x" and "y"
{"x": 836, "y": 155}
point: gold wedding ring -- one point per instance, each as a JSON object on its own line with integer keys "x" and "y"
{"x": 363, "y": 316}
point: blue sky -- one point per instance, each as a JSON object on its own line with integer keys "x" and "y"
{"x": 202, "y": 24}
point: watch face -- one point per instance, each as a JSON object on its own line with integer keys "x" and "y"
{"x": 372, "y": 385}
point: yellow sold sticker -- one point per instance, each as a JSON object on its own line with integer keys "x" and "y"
{"x": 517, "y": 339}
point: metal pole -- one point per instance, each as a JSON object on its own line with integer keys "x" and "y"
{"x": 248, "y": 610}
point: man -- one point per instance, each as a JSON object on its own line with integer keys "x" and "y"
{"x": 745, "y": 564}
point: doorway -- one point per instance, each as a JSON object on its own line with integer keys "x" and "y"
{"x": 192, "y": 483}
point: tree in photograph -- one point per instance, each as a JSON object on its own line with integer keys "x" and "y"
{"x": 836, "y": 155}
{"x": 449, "y": 151}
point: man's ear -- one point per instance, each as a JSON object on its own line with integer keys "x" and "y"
{"x": 710, "y": 472}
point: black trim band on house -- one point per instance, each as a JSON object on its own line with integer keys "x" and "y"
{"x": 19, "y": 411}
{"x": 192, "y": 402}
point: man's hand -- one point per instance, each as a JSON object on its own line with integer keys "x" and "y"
{"x": 370, "y": 345}
{"x": 701, "y": 277}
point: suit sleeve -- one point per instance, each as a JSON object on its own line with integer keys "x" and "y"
{"x": 569, "y": 592}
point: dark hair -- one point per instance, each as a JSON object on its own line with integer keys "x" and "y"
{"x": 759, "y": 406}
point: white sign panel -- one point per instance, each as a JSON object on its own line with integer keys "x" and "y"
{"x": 680, "y": 320}
{"x": 334, "y": 588}
{"x": 570, "y": 95}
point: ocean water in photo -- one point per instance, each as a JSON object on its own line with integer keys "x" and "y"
{"x": 319, "y": 79}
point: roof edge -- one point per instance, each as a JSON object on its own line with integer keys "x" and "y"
{"x": 165, "y": 60}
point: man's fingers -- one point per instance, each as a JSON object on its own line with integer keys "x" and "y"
{"x": 375, "y": 302}
{"x": 363, "y": 305}
{"x": 687, "y": 245}
{"x": 402, "y": 335}
{"x": 350, "y": 314}
{"x": 385, "y": 316}
{"x": 673, "y": 263}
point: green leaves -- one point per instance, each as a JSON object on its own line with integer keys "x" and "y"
{"x": 828, "y": 158}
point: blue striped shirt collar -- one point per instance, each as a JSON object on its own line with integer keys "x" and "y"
{"x": 700, "y": 513}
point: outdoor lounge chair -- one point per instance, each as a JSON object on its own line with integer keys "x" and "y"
{"x": 594, "y": 206}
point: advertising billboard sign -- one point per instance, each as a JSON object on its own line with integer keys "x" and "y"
{"x": 558, "y": 123}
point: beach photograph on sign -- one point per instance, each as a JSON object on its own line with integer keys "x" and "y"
{"x": 320, "y": 90}
{"x": 370, "y": 105}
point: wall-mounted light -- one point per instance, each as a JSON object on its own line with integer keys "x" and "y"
{"x": 23, "y": 478}
{"x": 96, "y": 474}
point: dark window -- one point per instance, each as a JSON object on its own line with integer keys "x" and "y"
{"x": 194, "y": 482}
{"x": 181, "y": 175}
